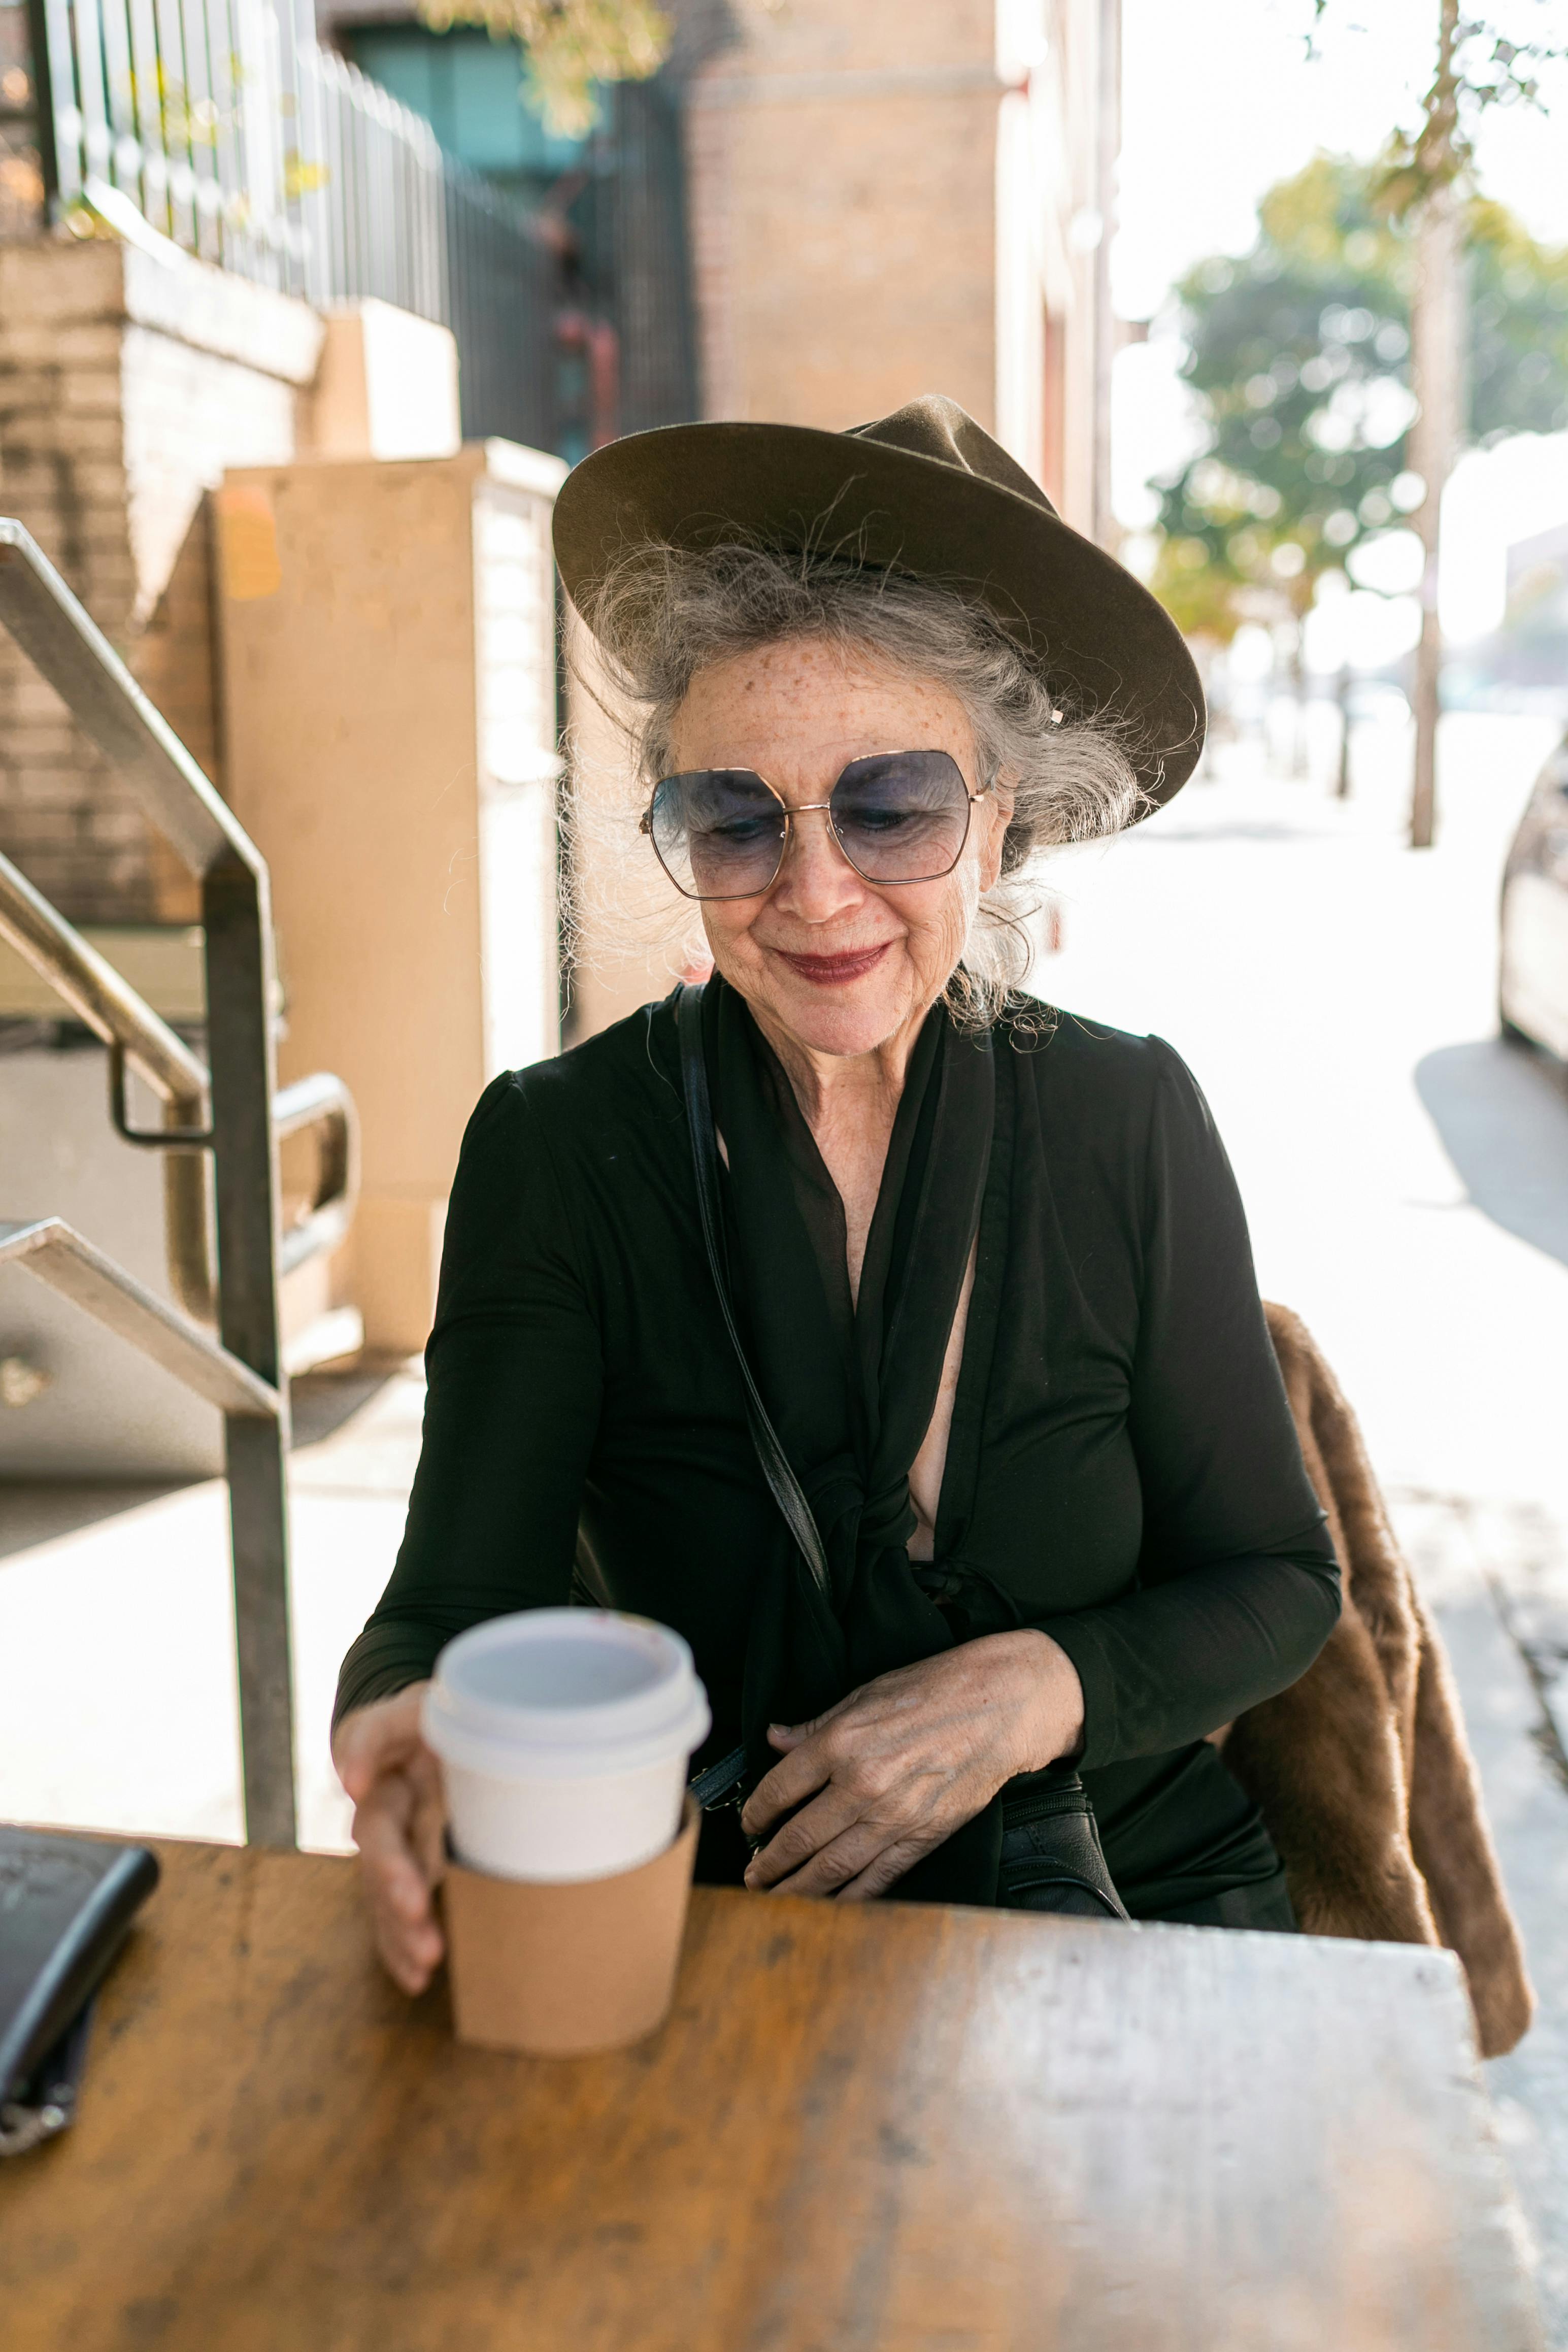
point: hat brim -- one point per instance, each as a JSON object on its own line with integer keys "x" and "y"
{"x": 1106, "y": 644}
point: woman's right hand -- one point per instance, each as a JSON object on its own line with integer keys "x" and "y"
{"x": 399, "y": 1828}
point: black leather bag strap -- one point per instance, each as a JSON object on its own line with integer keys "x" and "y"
{"x": 786, "y": 1490}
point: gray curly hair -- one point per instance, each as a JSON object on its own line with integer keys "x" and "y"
{"x": 660, "y": 614}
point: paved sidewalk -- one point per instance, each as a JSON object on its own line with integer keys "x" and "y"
{"x": 130, "y": 1586}
{"x": 1479, "y": 1564}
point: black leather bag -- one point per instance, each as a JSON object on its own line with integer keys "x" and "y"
{"x": 1052, "y": 1858}
{"x": 64, "y": 1906}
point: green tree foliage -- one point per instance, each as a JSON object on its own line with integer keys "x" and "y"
{"x": 1299, "y": 354}
{"x": 571, "y": 46}
{"x": 1518, "y": 329}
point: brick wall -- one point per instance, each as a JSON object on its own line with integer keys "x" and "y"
{"x": 128, "y": 380}
{"x": 842, "y": 167}
{"x": 892, "y": 199}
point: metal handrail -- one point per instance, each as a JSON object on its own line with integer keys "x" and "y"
{"x": 65, "y": 644}
{"x": 112, "y": 1010}
{"x": 323, "y": 1103}
{"x": 59, "y": 1255}
{"x": 72, "y": 653}
{"x": 137, "y": 1038}
{"x": 99, "y": 996}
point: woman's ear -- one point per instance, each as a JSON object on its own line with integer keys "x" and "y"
{"x": 996, "y": 811}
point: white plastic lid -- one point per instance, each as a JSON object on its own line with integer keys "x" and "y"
{"x": 564, "y": 1693}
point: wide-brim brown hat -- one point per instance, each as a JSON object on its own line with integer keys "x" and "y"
{"x": 926, "y": 492}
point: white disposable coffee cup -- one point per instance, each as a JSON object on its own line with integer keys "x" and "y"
{"x": 564, "y": 1737}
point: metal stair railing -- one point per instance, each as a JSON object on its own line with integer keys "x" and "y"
{"x": 59, "y": 1255}
{"x": 105, "y": 1002}
{"x": 110, "y": 1008}
{"x": 229, "y": 1106}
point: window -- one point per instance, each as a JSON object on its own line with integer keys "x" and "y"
{"x": 470, "y": 90}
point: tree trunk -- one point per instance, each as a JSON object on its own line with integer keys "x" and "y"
{"x": 1108, "y": 143}
{"x": 1436, "y": 342}
{"x": 1342, "y": 696}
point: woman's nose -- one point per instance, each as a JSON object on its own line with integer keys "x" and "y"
{"x": 817, "y": 881}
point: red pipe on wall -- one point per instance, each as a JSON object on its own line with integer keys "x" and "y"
{"x": 577, "y": 331}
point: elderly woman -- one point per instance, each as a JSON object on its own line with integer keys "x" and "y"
{"x": 960, "y": 1457}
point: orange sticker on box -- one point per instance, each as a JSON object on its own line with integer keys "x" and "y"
{"x": 248, "y": 544}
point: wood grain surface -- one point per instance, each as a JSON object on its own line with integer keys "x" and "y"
{"x": 880, "y": 2128}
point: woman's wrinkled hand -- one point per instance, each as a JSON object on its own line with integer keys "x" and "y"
{"x": 400, "y": 1825}
{"x": 900, "y": 1765}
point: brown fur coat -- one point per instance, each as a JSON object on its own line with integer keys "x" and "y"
{"x": 1362, "y": 1769}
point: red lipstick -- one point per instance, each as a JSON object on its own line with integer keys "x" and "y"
{"x": 832, "y": 970}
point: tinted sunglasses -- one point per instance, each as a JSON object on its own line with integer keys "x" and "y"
{"x": 898, "y": 817}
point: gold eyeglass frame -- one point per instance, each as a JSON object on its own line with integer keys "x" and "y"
{"x": 811, "y": 808}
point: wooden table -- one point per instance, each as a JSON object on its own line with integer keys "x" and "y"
{"x": 878, "y": 2129}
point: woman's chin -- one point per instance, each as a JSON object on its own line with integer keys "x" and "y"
{"x": 844, "y": 1018}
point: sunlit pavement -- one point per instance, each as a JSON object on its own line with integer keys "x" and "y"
{"x": 1406, "y": 1178}
{"x": 130, "y": 1719}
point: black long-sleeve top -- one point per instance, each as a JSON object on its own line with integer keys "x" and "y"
{"x": 1122, "y": 1464}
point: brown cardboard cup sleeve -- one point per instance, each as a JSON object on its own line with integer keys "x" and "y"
{"x": 561, "y": 1968}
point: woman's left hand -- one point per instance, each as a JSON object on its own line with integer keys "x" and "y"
{"x": 901, "y": 1764}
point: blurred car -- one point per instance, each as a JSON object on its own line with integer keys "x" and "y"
{"x": 1532, "y": 968}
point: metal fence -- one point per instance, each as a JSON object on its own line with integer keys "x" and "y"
{"x": 235, "y": 135}
{"x": 654, "y": 305}
{"x": 368, "y": 183}
{"x": 501, "y": 301}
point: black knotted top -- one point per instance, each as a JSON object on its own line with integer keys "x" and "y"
{"x": 1122, "y": 1468}
{"x": 851, "y": 1385}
